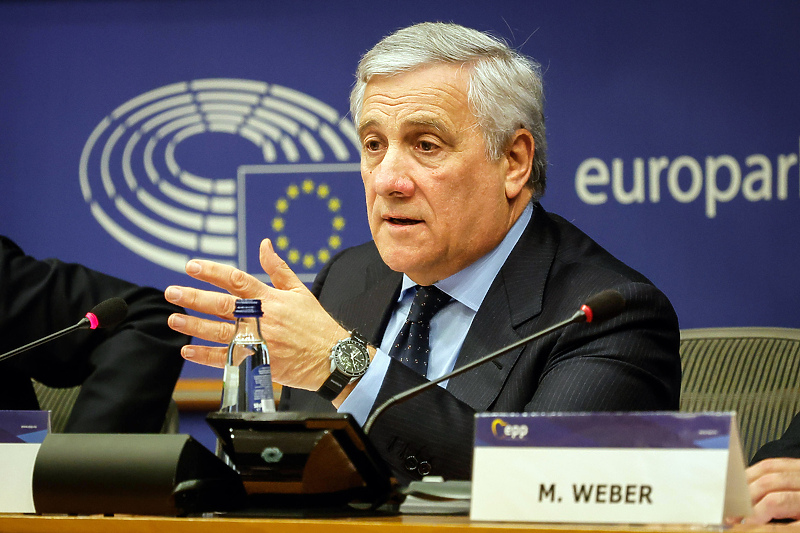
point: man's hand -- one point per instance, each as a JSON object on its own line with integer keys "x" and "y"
{"x": 298, "y": 331}
{"x": 774, "y": 489}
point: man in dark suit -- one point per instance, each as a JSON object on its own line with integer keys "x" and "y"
{"x": 453, "y": 164}
{"x": 126, "y": 374}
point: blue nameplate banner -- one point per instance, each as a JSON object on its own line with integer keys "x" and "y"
{"x": 21, "y": 434}
{"x": 612, "y": 468}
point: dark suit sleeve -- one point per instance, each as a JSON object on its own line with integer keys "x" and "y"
{"x": 127, "y": 374}
{"x": 786, "y": 446}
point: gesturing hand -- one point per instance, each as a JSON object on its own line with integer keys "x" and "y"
{"x": 298, "y": 331}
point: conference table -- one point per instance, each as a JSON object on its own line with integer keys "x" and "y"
{"x": 11, "y": 523}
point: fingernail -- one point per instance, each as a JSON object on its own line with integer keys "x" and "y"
{"x": 192, "y": 267}
{"x": 188, "y": 352}
{"x": 177, "y": 321}
{"x": 173, "y": 293}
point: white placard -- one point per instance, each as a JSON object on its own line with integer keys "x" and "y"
{"x": 16, "y": 471}
{"x": 615, "y": 468}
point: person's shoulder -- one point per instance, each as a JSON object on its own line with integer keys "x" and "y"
{"x": 580, "y": 253}
{"x": 359, "y": 256}
{"x": 349, "y": 268}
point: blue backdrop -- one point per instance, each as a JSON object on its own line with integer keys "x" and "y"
{"x": 134, "y": 135}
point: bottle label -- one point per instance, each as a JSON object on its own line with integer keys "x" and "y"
{"x": 261, "y": 383}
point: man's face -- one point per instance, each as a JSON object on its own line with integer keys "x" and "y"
{"x": 434, "y": 201}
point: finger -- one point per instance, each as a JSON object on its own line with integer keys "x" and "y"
{"x": 205, "y": 355}
{"x": 775, "y": 483}
{"x": 226, "y": 277}
{"x": 775, "y": 506}
{"x": 207, "y": 302}
{"x": 200, "y": 328}
{"x": 771, "y": 466}
{"x": 282, "y": 276}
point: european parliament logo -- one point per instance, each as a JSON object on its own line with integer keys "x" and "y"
{"x": 207, "y": 168}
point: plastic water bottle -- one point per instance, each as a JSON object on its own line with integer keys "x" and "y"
{"x": 247, "y": 381}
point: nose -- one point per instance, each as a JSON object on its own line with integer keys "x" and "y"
{"x": 391, "y": 176}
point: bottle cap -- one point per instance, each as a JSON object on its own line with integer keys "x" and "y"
{"x": 247, "y": 307}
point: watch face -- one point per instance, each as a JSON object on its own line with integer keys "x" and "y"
{"x": 351, "y": 358}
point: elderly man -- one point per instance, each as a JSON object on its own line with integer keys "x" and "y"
{"x": 453, "y": 164}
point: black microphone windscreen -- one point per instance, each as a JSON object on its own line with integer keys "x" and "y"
{"x": 110, "y": 312}
{"x": 606, "y": 304}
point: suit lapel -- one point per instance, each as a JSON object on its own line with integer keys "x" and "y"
{"x": 514, "y": 298}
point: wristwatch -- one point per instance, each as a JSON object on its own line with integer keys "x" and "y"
{"x": 349, "y": 360}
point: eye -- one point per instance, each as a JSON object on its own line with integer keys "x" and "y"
{"x": 427, "y": 146}
{"x": 372, "y": 145}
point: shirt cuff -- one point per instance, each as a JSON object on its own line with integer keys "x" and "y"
{"x": 361, "y": 399}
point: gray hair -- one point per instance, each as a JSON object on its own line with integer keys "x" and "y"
{"x": 505, "y": 91}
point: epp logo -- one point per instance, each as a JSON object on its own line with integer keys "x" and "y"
{"x": 171, "y": 173}
{"x": 503, "y": 430}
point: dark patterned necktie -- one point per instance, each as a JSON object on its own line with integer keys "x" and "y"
{"x": 411, "y": 346}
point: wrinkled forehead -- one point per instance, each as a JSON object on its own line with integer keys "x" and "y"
{"x": 436, "y": 95}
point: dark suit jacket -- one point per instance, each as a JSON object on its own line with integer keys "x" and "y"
{"x": 628, "y": 363}
{"x": 127, "y": 374}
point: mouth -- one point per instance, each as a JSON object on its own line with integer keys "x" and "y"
{"x": 402, "y": 221}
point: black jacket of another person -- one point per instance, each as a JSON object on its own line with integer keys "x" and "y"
{"x": 786, "y": 446}
{"x": 127, "y": 373}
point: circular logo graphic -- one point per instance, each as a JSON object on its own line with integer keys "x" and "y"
{"x": 163, "y": 173}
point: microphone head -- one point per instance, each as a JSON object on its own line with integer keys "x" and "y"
{"x": 603, "y": 306}
{"x": 108, "y": 313}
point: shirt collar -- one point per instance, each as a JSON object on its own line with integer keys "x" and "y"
{"x": 470, "y": 285}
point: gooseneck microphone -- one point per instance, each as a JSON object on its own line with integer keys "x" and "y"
{"x": 602, "y": 306}
{"x": 106, "y": 314}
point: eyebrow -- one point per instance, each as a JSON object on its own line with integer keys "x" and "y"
{"x": 432, "y": 123}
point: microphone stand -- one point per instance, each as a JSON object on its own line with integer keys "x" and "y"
{"x": 83, "y": 324}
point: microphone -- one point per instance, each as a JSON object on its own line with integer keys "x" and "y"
{"x": 106, "y": 314}
{"x": 602, "y": 306}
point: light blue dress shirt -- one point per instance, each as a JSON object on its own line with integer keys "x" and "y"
{"x": 448, "y": 327}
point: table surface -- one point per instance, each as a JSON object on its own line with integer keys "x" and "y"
{"x": 12, "y": 523}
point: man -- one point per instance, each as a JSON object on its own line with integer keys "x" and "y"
{"x": 126, "y": 374}
{"x": 453, "y": 163}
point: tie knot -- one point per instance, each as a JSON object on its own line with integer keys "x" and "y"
{"x": 427, "y": 302}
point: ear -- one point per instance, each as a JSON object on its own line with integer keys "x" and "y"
{"x": 519, "y": 160}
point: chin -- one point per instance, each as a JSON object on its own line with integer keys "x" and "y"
{"x": 400, "y": 260}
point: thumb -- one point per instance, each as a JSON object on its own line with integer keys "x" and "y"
{"x": 279, "y": 273}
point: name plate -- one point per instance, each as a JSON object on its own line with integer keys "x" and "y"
{"x": 21, "y": 434}
{"x": 613, "y": 468}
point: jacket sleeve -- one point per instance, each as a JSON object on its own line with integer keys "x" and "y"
{"x": 127, "y": 374}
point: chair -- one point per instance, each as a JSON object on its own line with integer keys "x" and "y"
{"x": 753, "y": 371}
{"x": 59, "y": 402}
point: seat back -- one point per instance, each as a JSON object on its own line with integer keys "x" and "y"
{"x": 753, "y": 371}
